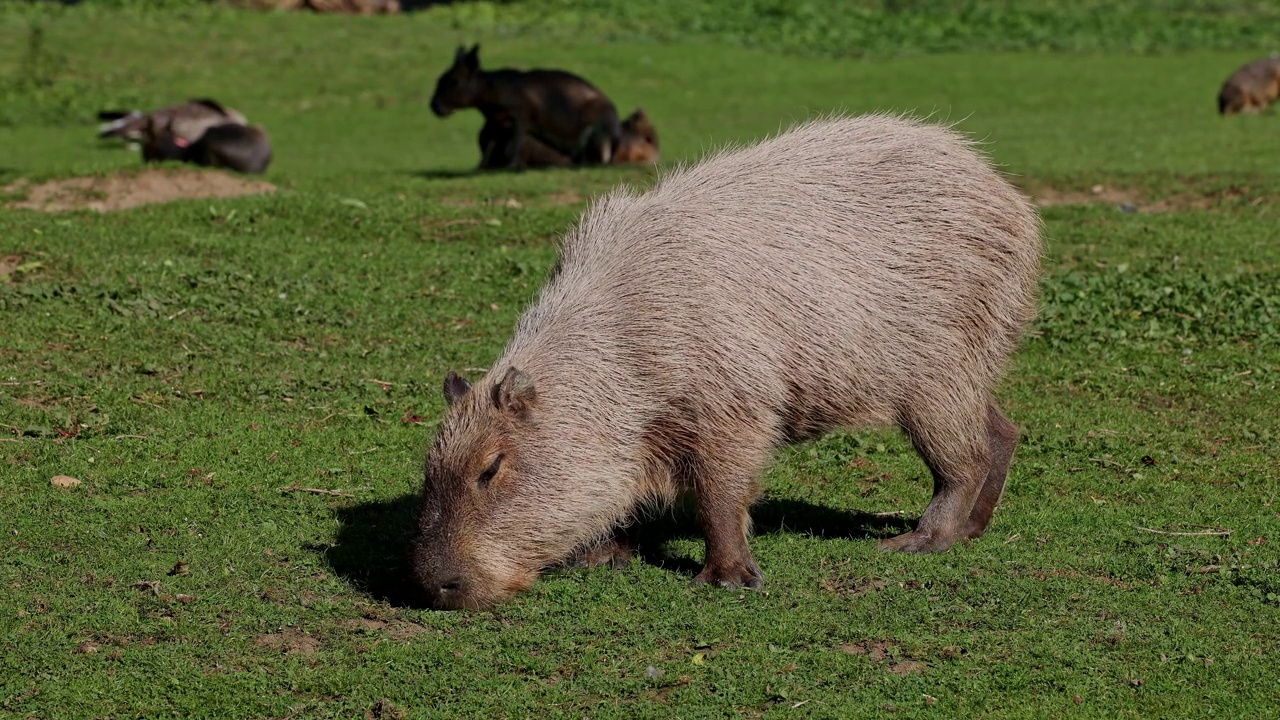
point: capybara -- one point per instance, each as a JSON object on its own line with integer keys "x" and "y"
{"x": 849, "y": 272}
{"x": 243, "y": 148}
{"x": 1252, "y": 88}
{"x": 637, "y": 145}
{"x": 560, "y": 110}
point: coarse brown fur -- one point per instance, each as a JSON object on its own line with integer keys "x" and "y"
{"x": 1252, "y": 88}
{"x": 849, "y": 272}
{"x": 637, "y": 145}
{"x": 554, "y": 108}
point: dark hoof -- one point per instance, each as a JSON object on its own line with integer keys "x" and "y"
{"x": 731, "y": 576}
{"x": 916, "y": 542}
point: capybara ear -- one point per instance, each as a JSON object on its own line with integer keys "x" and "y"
{"x": 455, "y": 386}
{"x": 515, "y": 394}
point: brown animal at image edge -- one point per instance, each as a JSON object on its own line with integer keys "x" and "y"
{"x": 850, "y": 272}
{"x": 1252, "y": 88}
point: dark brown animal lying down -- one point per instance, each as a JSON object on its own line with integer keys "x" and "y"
{"x": 850, "y": 272}
{"x": 562, "y": 111}
{"x": 500, "y": 143}
{"x": 202, "y": 132}
{"x": 1252, "y": 88}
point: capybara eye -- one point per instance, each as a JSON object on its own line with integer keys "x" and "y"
{"x": 489, "y": 472}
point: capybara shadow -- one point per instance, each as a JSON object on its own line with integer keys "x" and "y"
{"x": 371, "y": 552}
{"x": 372, "y": 549}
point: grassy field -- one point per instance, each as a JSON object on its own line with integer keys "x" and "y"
{"x": 190, "y": 363}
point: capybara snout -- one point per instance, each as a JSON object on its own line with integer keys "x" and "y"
{"x": 463, "y": 556}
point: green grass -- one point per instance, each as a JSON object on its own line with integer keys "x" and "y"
{"x": 187, "y": 361}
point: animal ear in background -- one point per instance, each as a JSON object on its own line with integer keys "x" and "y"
{"x": 515, "y": 394}
{"x": 455, "y": 386}
{"x": 472, "y": 58}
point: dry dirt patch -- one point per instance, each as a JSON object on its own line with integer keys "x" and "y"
{"x": 1134, "y": 200}
{"x": 126, "y": 190}
{"x": 290, "y": 642}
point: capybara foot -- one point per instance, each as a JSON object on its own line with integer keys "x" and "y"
{"x": 614, "y": 552}
{"x": 916, "y": 542}
{"x": 731, "y": 575}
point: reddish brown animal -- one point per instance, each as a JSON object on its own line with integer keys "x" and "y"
{"x": 637, "y": 145}
{"x": 849, "y": 272}
{"x": 1252, "y": 88}
{"x": 557, "y": 109}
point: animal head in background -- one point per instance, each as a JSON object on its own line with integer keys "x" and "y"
{"x": 458, "y": 86}
{"x": 639, "y": 142}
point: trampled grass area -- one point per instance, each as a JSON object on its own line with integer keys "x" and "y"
{"x": 191, "y": 362}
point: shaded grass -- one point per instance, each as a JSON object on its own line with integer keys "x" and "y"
{"x": 189, "y": 361}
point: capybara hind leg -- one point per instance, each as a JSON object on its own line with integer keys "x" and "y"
{"x": 955, "y": 449}
{"x": 723, "y": 500}
{"x": 1002, "y": 438}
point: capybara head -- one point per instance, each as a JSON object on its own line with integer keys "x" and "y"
{"x": 458, "y": 86}
{"x": 500, "y": 502}
{"x": 639, "y": 141}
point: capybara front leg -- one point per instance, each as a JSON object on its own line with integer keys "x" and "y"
{"x": 955, "y": 449}
{"x": 722, "y": 508}
{"x": 1002, "y": 438}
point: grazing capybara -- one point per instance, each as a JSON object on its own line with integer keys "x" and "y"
{"x": 1252, "y": 88}
{"x": 558, "y": 109}
{"x": 849, "y": 272}
{"x": 637, "y": 145}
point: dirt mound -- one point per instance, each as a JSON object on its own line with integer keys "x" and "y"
{"x": 126, "y": 190}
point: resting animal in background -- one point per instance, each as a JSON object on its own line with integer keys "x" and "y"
{"x": 202, "y": 132}
{"x": 557, "y": 109}
{"x": 849, "y": 272}
{"x": 637, "y": 145}
{"x": 1252, "y": 88}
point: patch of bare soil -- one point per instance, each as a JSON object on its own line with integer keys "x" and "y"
{"x": 1134, "y": 200}
{"x": 290, "y": 642}
{"x": 127, "y": 190}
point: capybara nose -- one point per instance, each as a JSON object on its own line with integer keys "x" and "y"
{"x": 449, "y": 594}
